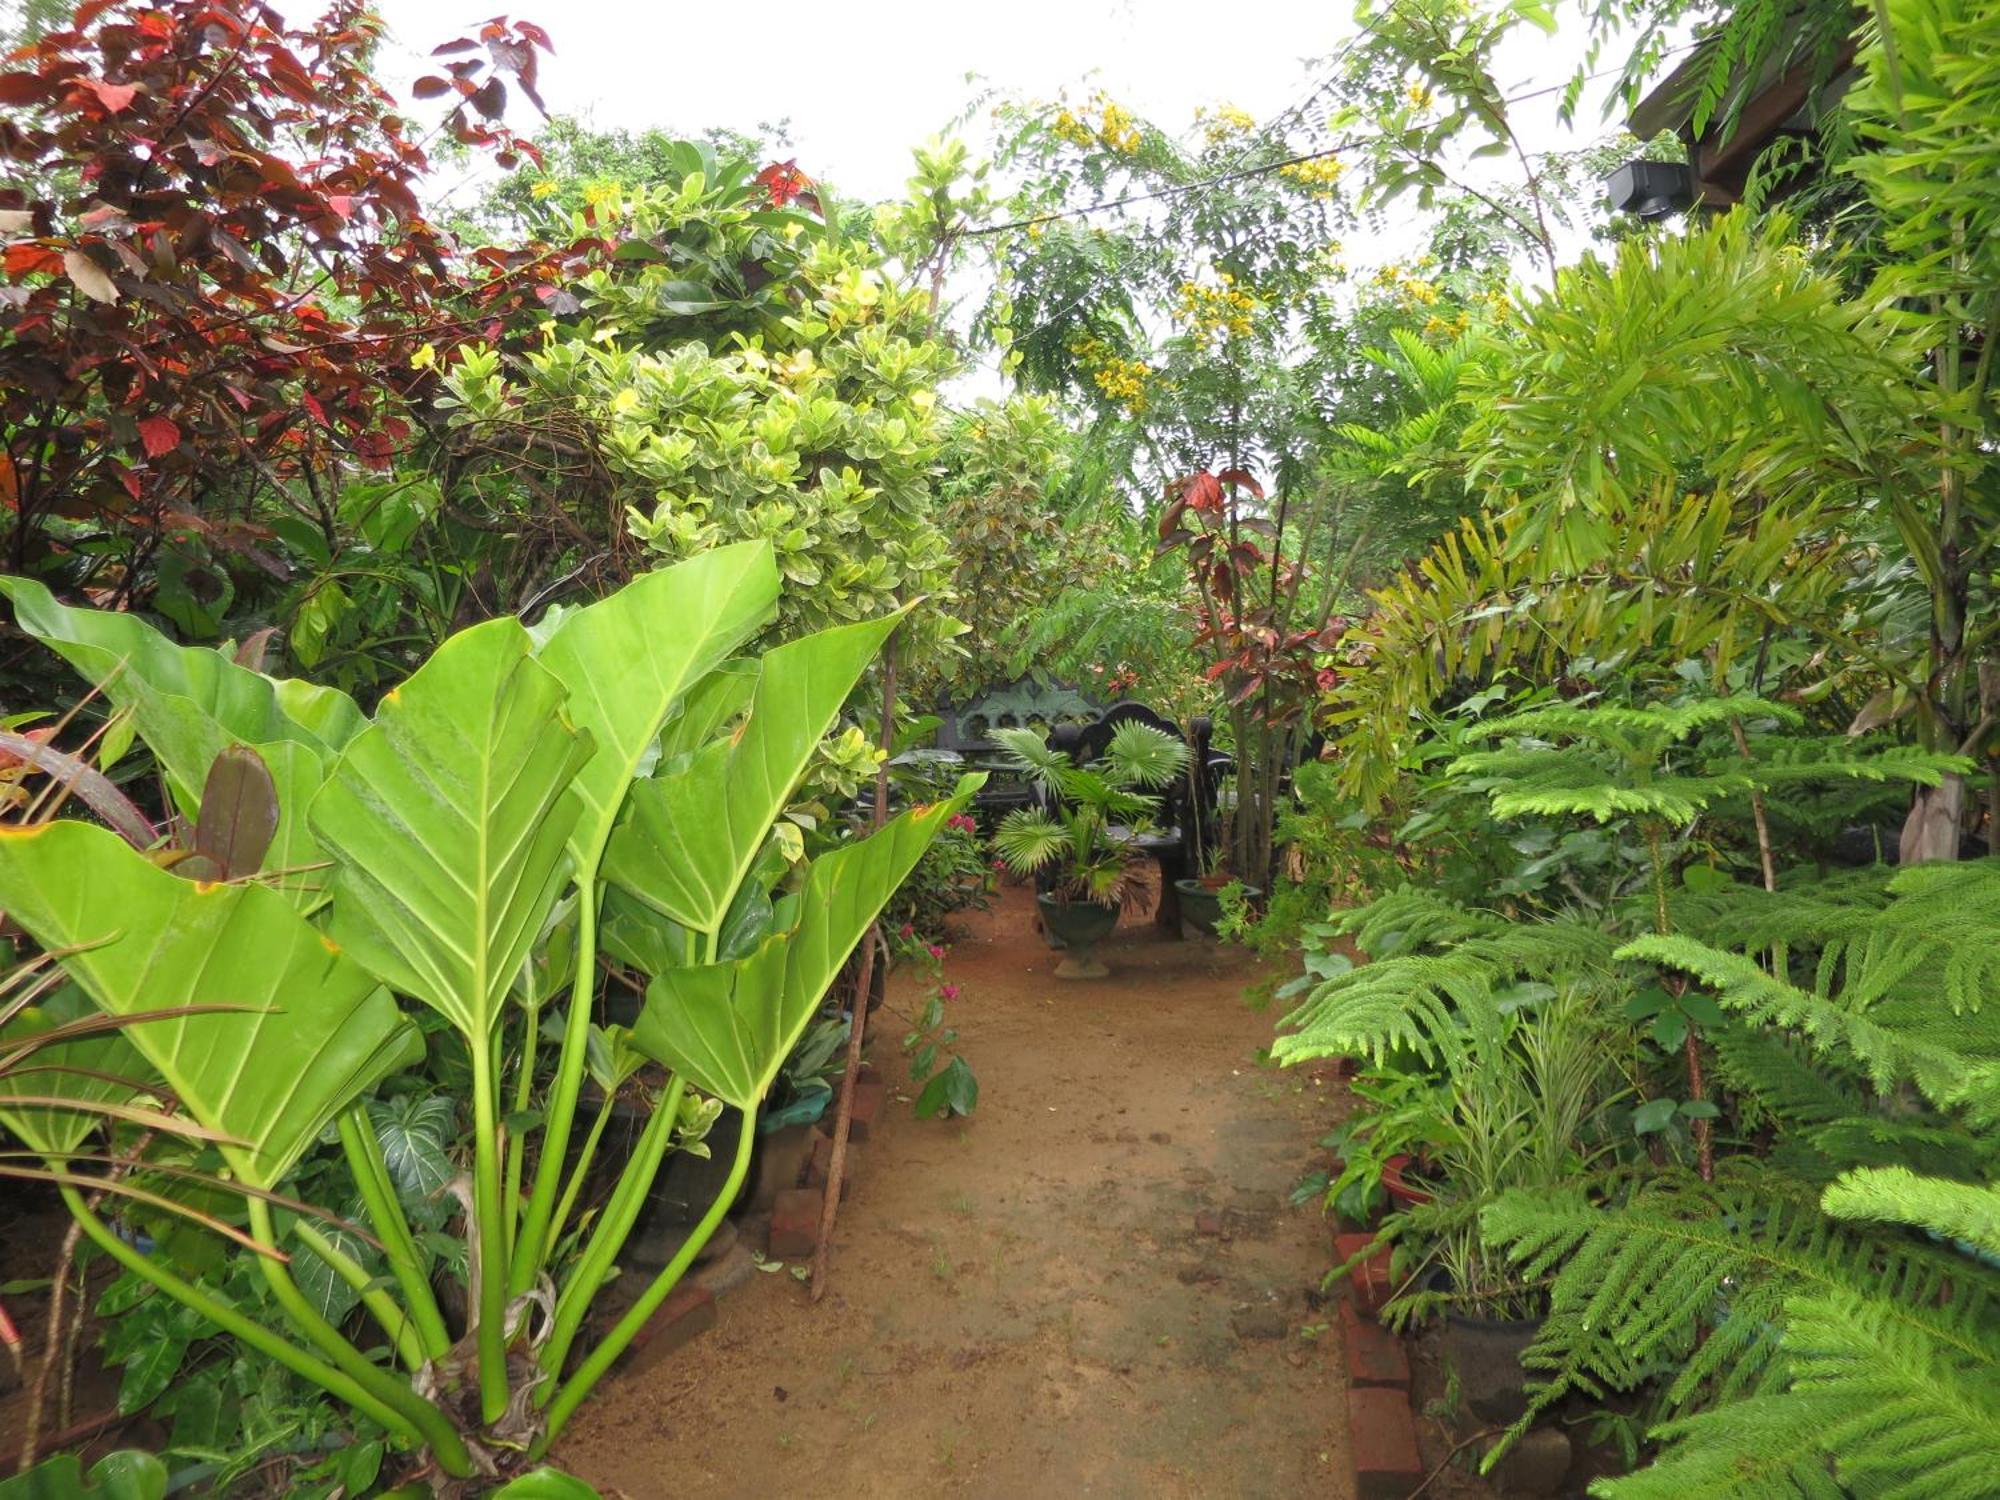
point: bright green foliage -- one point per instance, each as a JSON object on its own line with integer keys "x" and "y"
{"x": 720, "y": 599}
{"x": 791, "y": 403}
{"x": 1721, "y": 351}
{"x": 1927, "y": 103}
{"x": 1446, "y": 1007}
{"x": 1094, "y": 864}
{"x": 1884, "y": 1371}
{"x": 728, "y": 1028}
{"x": 464, "y": 828}
{"x": 1684, "y": 578}
{"x": 696, "y": 828}
{"x": 448, "y": 819}
{"x": 190, "y": 703}
{"x": 1620, "y": 763}
{"x": 307, "y": 1030}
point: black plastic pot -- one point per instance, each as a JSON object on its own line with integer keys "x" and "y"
{"x": 1486, "y": 1354}
{"x": 1201, "y": 905}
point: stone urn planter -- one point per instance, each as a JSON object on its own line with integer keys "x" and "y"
{"x": 1201, "y": 902}
{"x": 1079, "y": 926}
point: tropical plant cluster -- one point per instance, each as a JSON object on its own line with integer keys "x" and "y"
{"x": 468, "y": 675}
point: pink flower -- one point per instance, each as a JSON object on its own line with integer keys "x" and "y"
{"x": 947, "y": 992}
{"x": 1000, "y": 865}
{"x": 906, "y": 931}
{"x": 937, "y": 950}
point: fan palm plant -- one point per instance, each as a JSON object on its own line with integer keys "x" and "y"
{"x": 1088, "y": 834}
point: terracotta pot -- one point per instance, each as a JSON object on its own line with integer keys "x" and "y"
{"x": 1399, "y": 1188}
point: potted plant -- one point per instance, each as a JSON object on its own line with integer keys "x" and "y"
{"x": 1201, "y": 895}
{"x": 1084, "y": 844}
{"x": 1377, "y": 1151}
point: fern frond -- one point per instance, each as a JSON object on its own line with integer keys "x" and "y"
{"x": 1777, "y": 1075}
{"x": 1874, "y": 1406}
{"x": 1443, "y": 1006}
{"x": 1963, "y": 1212}
{"x": 1538, "y": 780}
{"x": 1409, "y": 918}
{"x": 1795, "y": 764}
{"x": 1637, "y": 1283}
{"x": 1625, "y": 727}
{"x": 1932, "y": 1056}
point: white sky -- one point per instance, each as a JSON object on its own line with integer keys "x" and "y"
{"x": 862, "y": 83}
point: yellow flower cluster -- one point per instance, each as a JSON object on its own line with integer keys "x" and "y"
{"x": 1221, "y": 309}
{"x": 1223, "y": 122}
{"x": 1436, "y": 327}
{"x": 1420, "y": 95}
{"x": 1121, "y": 380}
{"x": 1413, "y": 290}
{"x": 1103, "y": 122}
{"x": 1318, "y": 176}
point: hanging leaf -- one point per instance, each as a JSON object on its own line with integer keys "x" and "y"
{"x": 239, "y": 814}
{"x": 89, "y": 277}
{"x": 159, "y": 435}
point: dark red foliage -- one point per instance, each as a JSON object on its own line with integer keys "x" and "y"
{"x": 216, "y": 267}
{"x": 783, "y": 183}
{"x": 1248, "y": 597}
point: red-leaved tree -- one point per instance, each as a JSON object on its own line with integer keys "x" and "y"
{"x": 215, "y": 271}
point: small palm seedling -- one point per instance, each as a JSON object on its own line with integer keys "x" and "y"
{"x": 1088, "y": 843}
{"x": 1088, "y": 837}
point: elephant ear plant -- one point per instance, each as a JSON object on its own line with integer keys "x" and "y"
{"x": 502, "y": 799}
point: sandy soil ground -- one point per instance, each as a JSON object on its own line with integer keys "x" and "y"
{"x": 1095, "y": 1286}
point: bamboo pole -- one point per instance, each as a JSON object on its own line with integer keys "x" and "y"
{"x": 843, "y": 1118}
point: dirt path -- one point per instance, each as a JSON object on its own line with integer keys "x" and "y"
{"x": 1094, "y": 1286}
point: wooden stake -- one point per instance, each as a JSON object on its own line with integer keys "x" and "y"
{"x": 843, "y": 1117}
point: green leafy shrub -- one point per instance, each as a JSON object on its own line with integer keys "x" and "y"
{"x": 611, "y": 777}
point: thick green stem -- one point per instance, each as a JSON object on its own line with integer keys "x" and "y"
{"x": 605, "y": 1354}
{"x": 491, "y": 1249}
{"x": 385, "y": 1212}
{"x": 381, "y": 1306}
{"x": 306, "y": 1366}
{"x": 593, "y": 1267}
{"x": 517, "y": 1142}
{"x": 432, "y": 1425}
{"x": 531, "y": 1245}
{"x": 581, "y": 1171}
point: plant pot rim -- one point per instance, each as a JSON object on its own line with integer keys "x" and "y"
{"x": 1396, "y": 1182}
{"x": 1051, "y": 899}
{"x": 1214, "y": 885}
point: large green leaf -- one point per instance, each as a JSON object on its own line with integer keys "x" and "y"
{"x": 314, "y": 1031}
{"x": 125, "y": 1475}
{"x": 190, "y": 703}
{"x": 697, "y": 826}
{"x": 729, "y": 1027}
{"x": 447, "y": 819}
{"x": 86, "y": 1069}
{"x": 138, "y": 668}
{"x": 629, "y": 658}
